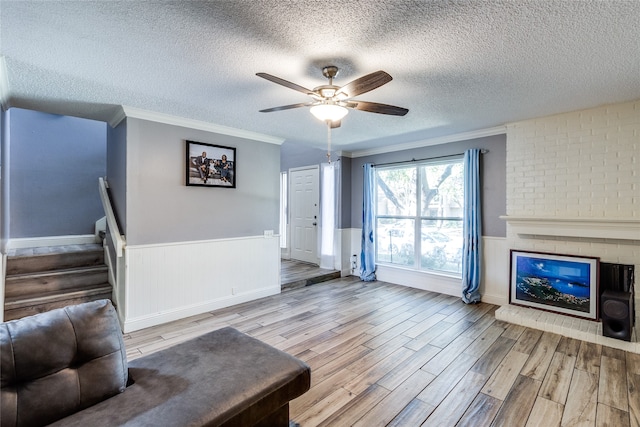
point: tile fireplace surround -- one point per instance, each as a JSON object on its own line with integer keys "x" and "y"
{"x": 536, "y": 232}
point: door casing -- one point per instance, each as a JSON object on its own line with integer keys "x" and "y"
{"x": 304, "y": 201}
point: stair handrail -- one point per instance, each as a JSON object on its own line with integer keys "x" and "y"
{"x": 118, "y": 239}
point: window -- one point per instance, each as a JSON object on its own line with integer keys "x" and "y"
{"x": 419, "y": 215}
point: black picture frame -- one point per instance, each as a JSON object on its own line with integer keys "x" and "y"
{"x": 564, "y": 284}
{"x": 218, "y": 169}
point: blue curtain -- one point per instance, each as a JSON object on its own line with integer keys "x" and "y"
{"x": 368, "y": 256}
{"x": 472, "y": 229}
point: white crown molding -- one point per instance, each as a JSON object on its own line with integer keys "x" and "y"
{"x": 481, "y": 133}
{"x": 118, "y": 117}
{"x": 168, "y": 119}
{"x": 4, "y": 84}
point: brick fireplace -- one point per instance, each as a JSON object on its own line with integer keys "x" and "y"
{"x": 573, "y": 187}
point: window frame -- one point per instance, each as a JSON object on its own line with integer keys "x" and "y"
{"x": 418, "y": 218}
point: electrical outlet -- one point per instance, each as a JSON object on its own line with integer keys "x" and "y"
{"x": 268, "y": 233}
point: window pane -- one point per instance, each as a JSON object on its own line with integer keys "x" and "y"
{"x": 419, "y": 210}
{"x": 441, "y": 245}
{"x": 396, "y": 191}
{"x": 442, "y": 190}
{"x": 395, "y": 241}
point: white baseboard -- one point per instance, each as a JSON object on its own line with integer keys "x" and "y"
{"x": 420, "y": 280}
{"x": 142, "y": 322}
{"x": 494, "y": 286}
{"x": 40, "y": 242}
{"x": 431, "y": 282}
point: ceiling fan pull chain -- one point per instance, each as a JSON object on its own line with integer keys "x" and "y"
{"x": 329, "y": 141}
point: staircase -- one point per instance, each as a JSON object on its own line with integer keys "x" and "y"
{"x": 41, "y": 279}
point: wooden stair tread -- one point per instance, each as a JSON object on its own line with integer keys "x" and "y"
{"x": 21, "y": 261}
{"x": 325, "y": 277}
{"x": 47, "y": 297}
{"x": 45, "y": 278}
{"x": 52, "y": 250}
{"x": 59, "y": 272}
{"x": 29, "y": 285}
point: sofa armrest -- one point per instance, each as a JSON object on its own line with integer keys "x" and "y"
{"x": 59, "y": 362}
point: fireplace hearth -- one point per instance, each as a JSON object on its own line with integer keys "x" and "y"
{"x": 614, "y": 240}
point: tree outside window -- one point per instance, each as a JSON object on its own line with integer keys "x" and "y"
{"x": 419, "y": 215}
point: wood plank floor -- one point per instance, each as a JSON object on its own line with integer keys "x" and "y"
{"x": 388, "y": 355}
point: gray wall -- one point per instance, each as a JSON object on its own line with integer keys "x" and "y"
{"x": 55, "y": 163}
{"x": 294, "y": 155}
{"x": 492, "y": 169}
{"x": 117, "y": 172}
{"x": 345, "y": 215}
{"x": 160, "y": 208}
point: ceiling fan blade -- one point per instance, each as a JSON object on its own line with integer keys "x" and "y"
{"x": 286, "y": 83}
{"x": 365, "y": 84}
{"x": 288, "y": 107}
{"x": 374, "y": 107}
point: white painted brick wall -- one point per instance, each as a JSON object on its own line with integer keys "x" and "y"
{"x": 582, "y": 164}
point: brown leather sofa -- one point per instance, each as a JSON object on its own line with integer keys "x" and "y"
{"x": 69, "y": 367}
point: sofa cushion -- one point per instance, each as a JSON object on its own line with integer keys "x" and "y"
{"x": 59, "y": 362}
{"x": 222, "y": 378}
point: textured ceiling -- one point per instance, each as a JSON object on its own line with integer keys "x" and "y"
{"x": 457, "y": 66}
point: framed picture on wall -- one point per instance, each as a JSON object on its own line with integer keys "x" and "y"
{"x": 210, "y": 165}
{"x": 565, "y": 284}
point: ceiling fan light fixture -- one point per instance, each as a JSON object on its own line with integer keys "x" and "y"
{"x": 329, "y": 112}
{"x": 331, "y": 103}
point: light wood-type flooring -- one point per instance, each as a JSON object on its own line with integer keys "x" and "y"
{"x": 388, "y": 355}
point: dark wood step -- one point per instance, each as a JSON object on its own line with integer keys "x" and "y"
{"x": 22, "y": 307}
{"x": 324, "y": 277}
{"x": 33, "y": 284}
{"x": 30, "y": 260}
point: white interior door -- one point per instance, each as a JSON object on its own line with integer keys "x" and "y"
{"x": 303, "y": 209}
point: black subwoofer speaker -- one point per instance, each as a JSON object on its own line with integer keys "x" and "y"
{"x": 616, "y": 311}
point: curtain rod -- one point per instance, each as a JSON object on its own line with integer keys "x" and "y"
{"x": 482, "y": 151}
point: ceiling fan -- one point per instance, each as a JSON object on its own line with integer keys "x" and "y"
{"x": 331, "y": 103}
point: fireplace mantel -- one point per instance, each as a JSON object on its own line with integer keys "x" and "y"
{"x": 605, "y": 228}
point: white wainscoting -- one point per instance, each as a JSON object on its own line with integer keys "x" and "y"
{"x": 495, "y": 270}
{"x": 171, "y": 281}
{"x": 343, "y": 251}
{"x": 356, "y": 246}
{"x": 3, "y": 257}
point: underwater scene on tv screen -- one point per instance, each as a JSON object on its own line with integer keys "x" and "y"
{"x": 558, "y": 283}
